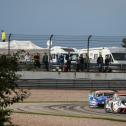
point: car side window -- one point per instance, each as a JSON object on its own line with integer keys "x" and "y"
{"x": 98, "y": 95}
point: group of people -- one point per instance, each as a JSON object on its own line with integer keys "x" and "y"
{"x": 44, "y": 60}
{"x": 35, "y": 59}
{"x": 103, "y": 65}
{"x": 65, "y": 66}
{"x": 81, "y": 63}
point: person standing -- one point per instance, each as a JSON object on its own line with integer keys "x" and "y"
{"x": 81, "y": 62}
{"x": 28, "y": 58}
{"x": 45, "y": 61}
{"x": 86, "y": 62}
{"x": 100, "y": 63}
{"x": 107, "y": 63}
{"x": 78, "y": 64}
{"x": 37, "y": 60}
{"x": 68, "y": 61}
{"x": 3, "y": 36}
{"x": 61, "y": 61}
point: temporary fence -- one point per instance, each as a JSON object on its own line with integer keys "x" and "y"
{"x": 74, "y": 41}
{"x": 71, "y": 41}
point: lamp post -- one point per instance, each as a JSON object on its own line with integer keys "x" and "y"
{"x": 50, "y": 44}
{"x": 9, "y": 37}
{"x": 89, "y": 37}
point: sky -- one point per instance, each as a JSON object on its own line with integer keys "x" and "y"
{"x": 63, "y": 17}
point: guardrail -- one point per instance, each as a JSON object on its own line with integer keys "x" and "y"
{"x": 72, "y": 83}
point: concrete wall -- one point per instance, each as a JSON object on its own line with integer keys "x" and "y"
{"x": 71, "y": 75}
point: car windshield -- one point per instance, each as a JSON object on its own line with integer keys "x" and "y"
{"x": 104, "y": 94}
{"x": 98, "y": 94}
{"x": 119, "y": 56}
{"x": 108, "y": 94}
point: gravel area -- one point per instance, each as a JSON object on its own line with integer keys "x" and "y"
{"x": 57, "y": 95}
{"x": 39, "y": 95}
{"x": 41, "y": 120}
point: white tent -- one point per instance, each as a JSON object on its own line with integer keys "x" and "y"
{"x": 14, "y": 44}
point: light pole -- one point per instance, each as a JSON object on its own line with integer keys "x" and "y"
{"x": 89, "y": 37}
{"x": 50, "y": 44}
{"x": 9, "y": 37}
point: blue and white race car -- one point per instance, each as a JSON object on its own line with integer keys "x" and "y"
{"x": 98, "y": 98}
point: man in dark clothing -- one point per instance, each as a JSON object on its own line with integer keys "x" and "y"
{"x": 107, "y": 62}
{"x": 81, "y": 62}
{"x": 100, "y": 63}
{"x": 78, "y": 64}
{"x": 86, "y": 62}
{"x": 37, "y": 60}
{"x": 61, "y": 61}
{"x": 68, "y": 59}
{"x": 45, "y": 61}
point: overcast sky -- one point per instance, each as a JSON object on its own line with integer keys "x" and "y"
{"x": 63, "y": 17}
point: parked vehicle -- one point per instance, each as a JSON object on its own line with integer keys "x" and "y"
{"x": 98, "y": 98}
{"x": 117, "y": 55}
{"x": 116, "y": 104}
{"x": 56, "y": 51}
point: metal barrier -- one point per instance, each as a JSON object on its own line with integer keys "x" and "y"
{"x": 72, "y": 83}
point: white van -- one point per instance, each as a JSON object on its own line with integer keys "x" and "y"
{"x": 56, "y": 51}
{"x": 116, "y": 54}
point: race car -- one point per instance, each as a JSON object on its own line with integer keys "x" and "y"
{"x": 98, "y": 98}
{"x": 116, "y": 104}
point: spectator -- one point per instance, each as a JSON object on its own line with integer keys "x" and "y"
{"x": 3, "y": 36}
{"x": 100, "y": 63}
{"x": 45, "y": 61}
{"x": 86, "y": 62}
{"x": 61, "y": 61}
{"x": 78, "y": 64}
{"x": 107, "y": 63}
{"x": 81, "y": 62}
{"x": 37, "y": 60}
{"x": 65, "y": 69}
{"x": 28, "y": 58}
{"x": 68, "y": 59}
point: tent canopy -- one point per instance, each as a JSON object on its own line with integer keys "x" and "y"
{"x": 14, "y": 44}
